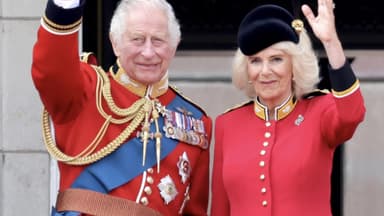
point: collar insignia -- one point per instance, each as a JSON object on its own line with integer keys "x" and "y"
{"x": 280, "y": 112}
{"x": 141, "y": 90}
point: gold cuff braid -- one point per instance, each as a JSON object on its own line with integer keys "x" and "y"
{"x": 61, "y": 28}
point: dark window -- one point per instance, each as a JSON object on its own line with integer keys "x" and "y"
{"x": 212, "y": 24}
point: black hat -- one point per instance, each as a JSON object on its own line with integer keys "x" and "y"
{"x": 264, "y": 26}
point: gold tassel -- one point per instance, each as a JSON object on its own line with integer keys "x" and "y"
{"x": 145, "y": 131}
{"x": 158, "y": 135}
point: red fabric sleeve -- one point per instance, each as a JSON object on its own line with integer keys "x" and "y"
{"x": 57, "y": 74}
{"x": 341, "y": 118}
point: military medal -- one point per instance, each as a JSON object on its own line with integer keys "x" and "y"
{"x": 184, "y": 167}
{"x": 182, "y": 126}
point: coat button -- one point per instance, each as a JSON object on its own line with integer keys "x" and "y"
{"x": 262, "y": 177}
{"x": 263, "y": 190}
{"x": 144, "y": 201}
{"x": 264, "y": 203}
{"x": 150, "y": 180}
{"x": 148, "y": 190}
{"x": 262, "y": 163}
{"x": 265, "y": 144}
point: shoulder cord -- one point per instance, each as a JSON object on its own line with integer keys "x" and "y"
{"x": 136, "y": 113}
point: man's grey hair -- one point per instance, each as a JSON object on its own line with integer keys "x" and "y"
{"x": 118, "y": 23}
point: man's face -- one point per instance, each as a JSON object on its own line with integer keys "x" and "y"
{"x": 145, "y": 51}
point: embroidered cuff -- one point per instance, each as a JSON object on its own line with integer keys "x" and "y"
{"x": 60, "y": 20}
{"x": 343, "y": 80}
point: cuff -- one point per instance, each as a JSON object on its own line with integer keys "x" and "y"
{"x": 61, "y": 20}
{"x": 343, "y": 80}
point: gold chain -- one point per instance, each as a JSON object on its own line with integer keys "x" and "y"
{"x": 136, "y": 112}
{"x": 106, "y": 89}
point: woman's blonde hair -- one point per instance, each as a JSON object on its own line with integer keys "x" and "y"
{"x": 304, "y": 62}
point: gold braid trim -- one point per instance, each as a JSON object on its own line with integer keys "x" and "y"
{"x": 61, "y": 28}
{"x": 109, "y": 99}
{"x": 136, "y": 113}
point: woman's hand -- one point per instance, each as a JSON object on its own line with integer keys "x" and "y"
{"x": 324, "y": 27}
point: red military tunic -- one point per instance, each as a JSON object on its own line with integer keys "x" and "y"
{"x": 67, "y": 88}
{"x": 283, "y": 167}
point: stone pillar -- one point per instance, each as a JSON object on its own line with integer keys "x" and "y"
{"x": 24, "y": 170}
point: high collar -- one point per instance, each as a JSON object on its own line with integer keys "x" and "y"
{"x": 280, "y": 112}
{"x": 152, "y": 91}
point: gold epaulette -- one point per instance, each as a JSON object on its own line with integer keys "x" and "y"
{"x": 177, "y": 91}
{"x": 89, "y": 58}
{"x": 238, "y": 106}
{"x": 316, "y": 92}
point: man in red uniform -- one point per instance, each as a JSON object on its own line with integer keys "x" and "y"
{"x": 126, "y": 142}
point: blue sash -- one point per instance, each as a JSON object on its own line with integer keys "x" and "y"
{"x": 125, "y": 163}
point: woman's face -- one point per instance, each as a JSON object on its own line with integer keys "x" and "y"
{"x": 270, "y": 72}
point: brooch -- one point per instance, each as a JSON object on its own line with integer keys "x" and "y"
{"x": 299, "y": 119}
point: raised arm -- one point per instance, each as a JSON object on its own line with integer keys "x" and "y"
{"x": 323, "y": 26}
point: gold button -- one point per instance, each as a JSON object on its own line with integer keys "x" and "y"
{"x": 148, "y": 190}
{"x": 267, "y": 135}
{"x": 262, "y": 163}
{"x": 262, "y": 152}
{"x": 268, "y": 124}
{"x": 144, "y": 201}
{"x": 265, "y": 144}
{"x": 150, "y": 180}
{"x": 263, "y": 190}
{"x": 264, "y": 203}
{"x": 262, "y": 177}
{"x": 150, "y": 170}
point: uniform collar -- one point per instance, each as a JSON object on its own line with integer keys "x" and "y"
{"x": 280, "y": 112}
{"x": 139, "y": 89}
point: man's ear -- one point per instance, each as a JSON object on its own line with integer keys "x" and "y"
{"x": 114, "y": 43}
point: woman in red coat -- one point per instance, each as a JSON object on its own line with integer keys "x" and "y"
{"x": 273, "y": 155}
